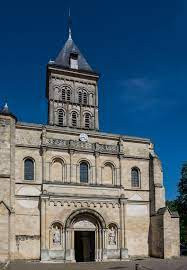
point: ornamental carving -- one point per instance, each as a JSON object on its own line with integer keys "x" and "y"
{"x": 84, "y": 224}
{"x": 4, "y": 122}
{"x": 79, "y": 204}
{"x": 56, "y": 236}
{"x": 86, "y": 146}
{"x": 112, "y": 236}
{"x": 57, "y": 142}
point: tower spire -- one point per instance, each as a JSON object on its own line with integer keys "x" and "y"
{"x": 69, "y": 24}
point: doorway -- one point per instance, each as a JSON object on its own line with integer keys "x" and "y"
{"x": 84, "y": 246}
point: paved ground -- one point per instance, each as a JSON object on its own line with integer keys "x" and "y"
{"x": 147, "y": 264}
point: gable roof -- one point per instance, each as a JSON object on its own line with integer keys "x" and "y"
{"x": 161, "y": 211}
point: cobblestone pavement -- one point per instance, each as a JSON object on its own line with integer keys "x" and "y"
{"x": 147, "y": 264}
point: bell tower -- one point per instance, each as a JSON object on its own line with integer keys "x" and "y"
{"x": 72, "y": 90}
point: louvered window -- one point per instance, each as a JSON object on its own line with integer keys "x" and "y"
{"x": 80, "y": 97}
{"x": 68, "y": 95}
{"x": 87, "y": 120}
{"x": 61, "y": 117}
{"x": 74, "y": 119}
{"x": 85, "y": 98}
{"x": 63, "y": 95}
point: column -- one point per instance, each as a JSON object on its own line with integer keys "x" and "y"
{"x": 124, "y": 251}
{"x": 43, "y": 220}
{"x": 44, "y": 150}
{"x": 120, "y": 172}
{"x": 104, "y": 245}
{"x": 96, "y": 246}
{"x": 97, "y": 176}
{"x": 100, "y": 245}
{"x": 70, "y": 252}
{"x": 71, "y": 175}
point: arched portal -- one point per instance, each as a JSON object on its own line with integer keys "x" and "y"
{"x": 85, "y": 234}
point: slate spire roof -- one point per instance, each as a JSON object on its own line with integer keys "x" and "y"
{"x": 64, "y": 55}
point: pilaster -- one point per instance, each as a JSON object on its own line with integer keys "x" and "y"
{"x": 124, "y": 250}
{"x": 44, "y": 199}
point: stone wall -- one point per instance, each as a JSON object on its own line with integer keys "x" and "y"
{"x": 56, "y": 192}
{"x": 4, "y": 232}
{"x": 164, "y": 234}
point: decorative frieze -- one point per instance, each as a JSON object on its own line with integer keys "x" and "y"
{"x": 85, "y": 146}
{"x": 57, "y": 142}
{"x": 79, "y": 204}
{"x": 4, "y": 122}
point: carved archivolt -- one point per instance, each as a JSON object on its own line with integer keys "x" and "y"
{"x": 85, "y": 214}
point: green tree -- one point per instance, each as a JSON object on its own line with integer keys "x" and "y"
{"x": 172, "y": 205}
{"x": 182, "y": 203}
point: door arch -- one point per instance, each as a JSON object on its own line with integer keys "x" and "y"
{"x": 85, "y": 231}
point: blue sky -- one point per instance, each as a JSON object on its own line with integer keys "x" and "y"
{"x": 138, "y": 47}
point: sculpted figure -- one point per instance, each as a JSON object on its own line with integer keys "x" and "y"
{"x": 112, "y": 236}
{"x": 56, "y": 236}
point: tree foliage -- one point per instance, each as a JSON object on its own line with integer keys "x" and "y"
{"x": 182, "y": 203}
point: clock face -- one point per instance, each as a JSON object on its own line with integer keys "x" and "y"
{"x": 83, "y": 137}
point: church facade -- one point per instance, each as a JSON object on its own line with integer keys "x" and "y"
{"x": 72, "y": 193}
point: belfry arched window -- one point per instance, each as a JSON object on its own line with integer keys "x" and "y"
{"x": 84, "y": 170}
{"x": 61, "y": 117}
{"x": 87, "y": 120}
{"x": 28, "y": 169}
{"x": 80, "y": 97}
{"x": 63, "y": 95}
{"x": 135, "y": 177}
{"x": 74, "y": 119}
{"x": 85, "y": 98}
{"x": 66, "y": 93}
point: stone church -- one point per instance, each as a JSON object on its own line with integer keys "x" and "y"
{"x": 72, "y": 193}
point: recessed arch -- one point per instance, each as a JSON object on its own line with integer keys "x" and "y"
{"x": 57, "y": 169}
{"x": 112, "y": 223}
{"x": 87, "y": 213}
{"x": 86, "y": 160}
{"x": 109, "y": 162}
{"x": 59, "y": 158}
{"x": 108, "y": 173}
{"x": 54, "y": 222}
